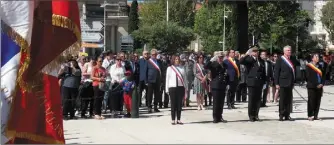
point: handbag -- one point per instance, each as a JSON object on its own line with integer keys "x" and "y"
{"x": 103, "y": 86}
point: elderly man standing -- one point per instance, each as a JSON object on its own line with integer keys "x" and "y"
{"x": 284, "y": 77}
{"x": 153, "y": 78}
{"x": 142, "y": 76}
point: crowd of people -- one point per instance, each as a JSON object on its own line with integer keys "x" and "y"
{"x": 105, "y": 84}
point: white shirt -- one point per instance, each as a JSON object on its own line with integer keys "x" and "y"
{"x": 171, "y": 78}
{"x": 116, "y": 73}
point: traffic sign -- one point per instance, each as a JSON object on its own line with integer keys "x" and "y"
{"x": 98, "y": 25}
{"x": 91, "y": 26}
{"x": 91, "y": 37}
{"x": 126, "y": 39}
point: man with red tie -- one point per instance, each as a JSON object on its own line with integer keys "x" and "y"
{"x": 284, "y": 78}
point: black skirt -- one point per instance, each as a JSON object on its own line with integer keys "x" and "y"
{"x": 116, "y": 97}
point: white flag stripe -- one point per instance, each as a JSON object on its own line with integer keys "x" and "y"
{"x": 18, "y": 15}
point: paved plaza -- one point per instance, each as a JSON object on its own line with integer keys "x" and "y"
{"x": 198, "y": 127}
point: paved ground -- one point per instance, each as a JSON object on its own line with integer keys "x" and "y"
{"x": 198, "y": 128}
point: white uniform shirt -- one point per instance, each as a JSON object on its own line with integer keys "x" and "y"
{"x": 171, "y": 78}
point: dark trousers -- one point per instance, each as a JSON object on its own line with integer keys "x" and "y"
{"x": 285, "y": 101}
{"x": 207, "y": 97}
{"x": 231, "y": 93}
{"x": 116, "y": 98}
{"x": 176, "y": 98}
{"x": 302, "y": 76}
{"x": 166, "y": 98}
{"x": 142, "y": 87}
{"x": 241, "y": 93}
{"x": 265, "y": 94}
{"x": 69, "y": 99}
{"x": 153, "y": 89}
{"x": 218, "y": 103}
{"x": 98, "y": 98}
{"x": 254, "y": 102}
{"x": 87, "y": 99}
{"x": 313, "y": 102}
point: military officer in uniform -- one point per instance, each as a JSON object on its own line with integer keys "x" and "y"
{"x": 255, "y": 81}
{"x": 218, "y": 85}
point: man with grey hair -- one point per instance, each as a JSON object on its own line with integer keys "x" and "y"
{"x": 284, "y": 77}
{"x": 153, "y": 79}
{"x": 142, "y": 76}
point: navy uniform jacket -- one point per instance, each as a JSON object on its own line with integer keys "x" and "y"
{"x": 218, "y": 75}
{"x": 256, "y": 71}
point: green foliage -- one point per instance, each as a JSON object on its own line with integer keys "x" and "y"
{"x": 167, "y": 37}
{"x": 152, "y": 12}
{"x": 134, "y": 22}
{"x": 277, "y": 23}
{"x": 209, "y": 24}
{"x": 327, "y": 18}
{"x": 133, "y": 17}
{"x": 182, "y": 12}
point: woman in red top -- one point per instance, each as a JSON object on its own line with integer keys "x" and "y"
{"x": 99, "y": 77}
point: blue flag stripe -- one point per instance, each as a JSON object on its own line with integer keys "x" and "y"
{"x": 8, "y": 48}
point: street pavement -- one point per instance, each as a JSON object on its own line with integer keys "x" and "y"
{"x": 198, "y": 128}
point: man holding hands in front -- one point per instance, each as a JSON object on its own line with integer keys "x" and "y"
{"x": 255, "y": 81}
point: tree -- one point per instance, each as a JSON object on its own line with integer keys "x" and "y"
{"x": 180, "y": 12}
{"x": 209, "y": 25}
{"x": 134, "y": 22}
{"x": 277, "y": 23}
{"x": 327, "y": 18}
{"x": 167, "y": 37}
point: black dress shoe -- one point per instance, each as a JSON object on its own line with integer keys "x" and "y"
{"x": 149, "y": 110}
{"x": 252, "y": 120}
{"x": 229, "y": 107}
{"x": 257, "y": 119}
{"x": 280, "y": 119}
{"x": 289, "y": 118}
{"x": 222, "y": 120}
{"x": 179, "y": 122}
{"x": 233, "y": 107}
{"x": 264, "y": 106}
{"x": 156, "y": 110}
{"x": 215, "y": 121}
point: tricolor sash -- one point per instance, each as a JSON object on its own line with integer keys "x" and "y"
{"x": 289, "y": 63}
{"x": 317, "y": 70}
{"x": 155, "y": 65}
{"x": 234, "y": 65}
{"x": 313, "y": 67}
{"x": 202, "y": 74}
{"x": 179, "y": 76}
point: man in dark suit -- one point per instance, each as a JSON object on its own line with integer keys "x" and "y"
{"x": 164, "y": 63}
{"x": 135, "y": 68}
{"x": 153, "y": 78}
{"x": 255, "y": 81}
{"x": 142, "y": 76}
{"x": 284, "y": 77}
{"x": 233, "y": 71}
{"x": 268, "y": 78}
{"x": 218, "y": 84}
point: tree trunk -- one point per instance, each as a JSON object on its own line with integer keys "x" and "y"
{"x": 242, "y": 26}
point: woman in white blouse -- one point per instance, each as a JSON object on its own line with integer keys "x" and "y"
{"x": 116, "y": 72}
{"x": 175, "y": 87}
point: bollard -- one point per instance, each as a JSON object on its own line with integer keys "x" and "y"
{"x": 135, "y": 103}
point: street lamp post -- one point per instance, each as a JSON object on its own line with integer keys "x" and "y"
{"x": 167, "y": 12}
{"x": 104, "y": 23}
{"x": 224, "y": 28}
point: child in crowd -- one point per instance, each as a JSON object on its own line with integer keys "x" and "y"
{"x": 128, "y": 85}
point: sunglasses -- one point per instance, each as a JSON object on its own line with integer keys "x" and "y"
{"x": 118, "y": 59}
{"x": 99, "y": 61}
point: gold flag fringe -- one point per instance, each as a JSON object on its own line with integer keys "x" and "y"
{"x": 64, "y": 22}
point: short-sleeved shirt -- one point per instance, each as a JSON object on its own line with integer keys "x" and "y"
{"x": 100, "y": 73}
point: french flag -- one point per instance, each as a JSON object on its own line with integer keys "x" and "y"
{"x": 16, "y": 29}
